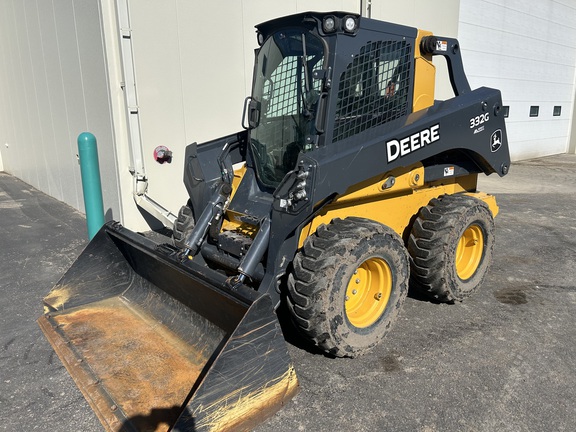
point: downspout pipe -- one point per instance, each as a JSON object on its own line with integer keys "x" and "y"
{"x": 366, "y": 8}
{"x": 165, "y": 216}
{"x": 137, "y": 169}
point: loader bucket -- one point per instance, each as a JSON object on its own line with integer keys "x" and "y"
{"x": 154, "y": 344}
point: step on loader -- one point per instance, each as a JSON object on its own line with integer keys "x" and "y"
{"x": 348, "y": 182}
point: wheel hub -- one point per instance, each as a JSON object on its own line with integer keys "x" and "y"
{"x": 368, "y": 292}
{"x": 469, "y": 252}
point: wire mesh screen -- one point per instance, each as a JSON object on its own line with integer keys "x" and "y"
{"x": 281, "y": 89}
{"x": 283, "y": 94}
{"x": 374, "y": 88}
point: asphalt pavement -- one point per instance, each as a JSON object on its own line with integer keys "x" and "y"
{"x": 503, "y": 360}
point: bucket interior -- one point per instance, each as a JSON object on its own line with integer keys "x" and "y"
{"x": 136, "y": 331}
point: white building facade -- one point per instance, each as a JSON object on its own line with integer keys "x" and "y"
{"x": 140, "y": 74}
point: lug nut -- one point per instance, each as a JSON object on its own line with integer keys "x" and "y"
{"x": 378, "y": 296}
{"x": 354, "y": 292}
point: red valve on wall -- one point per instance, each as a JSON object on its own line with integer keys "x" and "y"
{"x": 162, "y": 154}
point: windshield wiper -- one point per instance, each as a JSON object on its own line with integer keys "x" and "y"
{"x": 304, "y": 60}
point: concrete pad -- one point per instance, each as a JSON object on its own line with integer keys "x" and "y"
{"x": 502, "y": 360}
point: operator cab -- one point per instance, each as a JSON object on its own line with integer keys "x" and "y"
{"x": 285, "y": 100}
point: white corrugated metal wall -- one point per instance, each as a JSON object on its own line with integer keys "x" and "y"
{"x": 53, "y": 86}
{"x": 527, "y": 49}
{"x": 61, "y": 74}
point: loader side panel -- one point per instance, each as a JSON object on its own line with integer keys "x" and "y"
{"x": 447, "y": 126}
{"x": 393, "y": 199}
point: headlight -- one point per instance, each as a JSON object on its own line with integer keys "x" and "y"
{"x": 329, "y": 24}
{"x": 350, "y": 24}
{"x": 260, "y": 37}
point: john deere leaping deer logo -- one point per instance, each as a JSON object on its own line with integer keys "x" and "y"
{"x": 496, "y": 140}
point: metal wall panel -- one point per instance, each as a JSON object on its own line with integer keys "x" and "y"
{"x": 97, "y": 99}
{"x": 70, "y": 88}
{"x": 528, "y": 50}
{"x": 7, "y": 132}
{"x": 18, "y": 152}
{"x": 50, "y": 96}
{"x": 53, "y": 84}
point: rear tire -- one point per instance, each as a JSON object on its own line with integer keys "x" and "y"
{"x": 347, "y": 285}
{"x": 451, "y": 247}
{"x": 183, "y": 226}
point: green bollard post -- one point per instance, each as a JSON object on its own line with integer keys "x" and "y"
{"x": 91, "y": 185}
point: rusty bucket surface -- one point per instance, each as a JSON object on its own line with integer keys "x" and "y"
{"x": 157, "y": 345}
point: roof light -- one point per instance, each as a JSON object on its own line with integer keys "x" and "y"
{"x": 260, "y": 38}
{"x": 329, "y": 24}
{"x": 350, "y": 24}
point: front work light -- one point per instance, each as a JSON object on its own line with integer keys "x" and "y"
{"x": 329, "y": 24}
{"x": 350, "y": 24}
{"x": 260, "y": 39}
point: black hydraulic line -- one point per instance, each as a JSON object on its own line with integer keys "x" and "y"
{"x": 257, "y": 249}
{"x": 213, "y": 210}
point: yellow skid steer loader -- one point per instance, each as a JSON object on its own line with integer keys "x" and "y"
{"x": 348, "y": 183}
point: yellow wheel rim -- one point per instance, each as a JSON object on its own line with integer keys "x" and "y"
{"x": 469, "y": 252}
{"x": 368, "y": 292}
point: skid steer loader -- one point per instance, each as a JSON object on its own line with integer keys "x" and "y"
{"x": 348, "y": 183}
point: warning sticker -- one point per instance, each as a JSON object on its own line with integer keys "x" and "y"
{"x": 448, "y": 171}
{"x": 441, "y": 45}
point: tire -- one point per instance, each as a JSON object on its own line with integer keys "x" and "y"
{"x": 347, "y": 285}
{"x": 183, "y": 226}
{"x": 450, "y": 247}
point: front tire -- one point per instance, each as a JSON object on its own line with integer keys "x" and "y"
{"x": 450, "y": 247}
{"x": 183, "y": 226}
{"x": 347, "y": 285}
